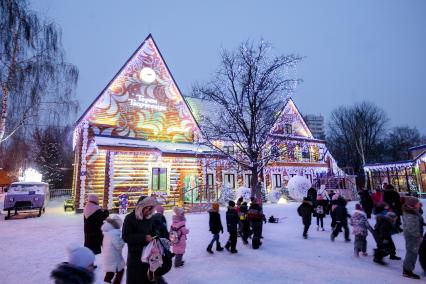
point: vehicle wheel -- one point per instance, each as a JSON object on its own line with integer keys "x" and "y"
{"x": 39, "y": 212}
{"x": 8, "y": 215}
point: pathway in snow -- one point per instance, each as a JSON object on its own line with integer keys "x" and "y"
{"x": 30, "y": 248}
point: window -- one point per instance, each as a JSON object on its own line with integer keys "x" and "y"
{"x": 247, "y": 180}
{"x": 309, "y": 177}
{"x": 288, "y": 129}
{"x": 210, "y": 181}
{"x": 159, "y": 179}
{"x": 230, "y": 179}
{"x": 228, "y": 150}
{"x": 276, "y": 178}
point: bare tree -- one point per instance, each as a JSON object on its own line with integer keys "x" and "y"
{"x": 398, "y": 140}
{"x": 248, "y": 93}
{"x": 356, "y": 133}
{"x": 36, "y": 84}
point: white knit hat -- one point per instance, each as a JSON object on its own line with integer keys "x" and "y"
{"x": 80, "y": 256}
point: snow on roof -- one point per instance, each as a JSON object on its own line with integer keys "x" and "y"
{"x": 29, "y": 183}
{"x": 165, "y": 147}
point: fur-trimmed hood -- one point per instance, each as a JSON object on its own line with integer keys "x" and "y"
{"x": 67, "y": 273}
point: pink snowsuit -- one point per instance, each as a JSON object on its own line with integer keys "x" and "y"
{"x": 178, "y": 221}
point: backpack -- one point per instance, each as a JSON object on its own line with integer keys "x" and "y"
{"x": 174, "y": 235}
{"x": 319, "y": 210}
{"x": 159, "y": 260}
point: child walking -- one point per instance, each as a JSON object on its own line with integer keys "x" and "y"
{"x": 305, "y": 211}
{"x": 232, "y": 221}
{"x": 112, "y": 245}
{"x": 215, "y": 225}
{"x": 179, "y": 228}
{"x": 320, "y": 211}
{"x": 359, "y": 225}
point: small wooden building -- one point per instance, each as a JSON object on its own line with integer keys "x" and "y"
{"x": 405, "y": 176}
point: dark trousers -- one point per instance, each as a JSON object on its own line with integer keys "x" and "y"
{"x": 232, "y": 242}
{"x": 392, "y": 248}
{"x": 215, "y": 239}
{"x": 178, "y": 260}
{"x": 338, "y": 228}
{"x": 320, "y": 219}
{"x": 305, "y": 229}
{"x": 109, "y": 276}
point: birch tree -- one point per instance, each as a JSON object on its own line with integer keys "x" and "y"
{"x": 36, "y": 83}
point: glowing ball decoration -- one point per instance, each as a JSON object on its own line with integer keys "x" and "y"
{"x": 147, "y": 75}
{"x": 31, "y": 175}
{"x": 298, "y": 187}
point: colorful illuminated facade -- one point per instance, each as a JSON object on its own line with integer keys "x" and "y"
{"x": 139, "y": 136}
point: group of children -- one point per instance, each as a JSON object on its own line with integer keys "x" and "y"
{"x": 386, "y": 225}
{"x": 240, "y": 220}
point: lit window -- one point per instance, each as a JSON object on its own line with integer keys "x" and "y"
{"x": 159, "y": 179}
{"x": 230, "y": 179}
{"x": 288, "y": 129}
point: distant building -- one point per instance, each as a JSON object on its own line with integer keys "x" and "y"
{"x": 316, "y": 125}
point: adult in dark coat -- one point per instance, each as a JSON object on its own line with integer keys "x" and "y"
{"x": 366, "y": 202}
{"x": 215, "y": 227}
{"x": 341, "y": 215}
{"x": 305, "y": 211}
{"x": 255, "y": 217}
{"x": 232, "y": 221}
{"x": 137, "y": 233}
{"x": 312, "y": 195}
{"x": 94, "y": 217}
{"x": 422, "y": 253}
{"x": 393, "y": 200}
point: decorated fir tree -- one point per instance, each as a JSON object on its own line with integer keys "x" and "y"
{"x": 227, "y": 193}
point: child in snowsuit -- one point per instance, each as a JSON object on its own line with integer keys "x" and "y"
{"x": 159, "y": 223}
{"x": 112, "y": 245}
{"x": 179, "y": 226}
{"x": 78, "y": 269}
{"x": 232, "y": 221}
{"x": 412, "y": 233}
{"x": 255, "y": 217}
{"x": 245, "y": 224}
{"x": 360, "y": 230}
{"x": 215, "y": 225}
{"x": 383, "y": 235}
{"x": 305, "y": 211}
{"x": 320, "y": 211}
{"x": 341, "y": 216}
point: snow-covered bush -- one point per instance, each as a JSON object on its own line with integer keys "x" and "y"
{"x": 298, "y": 187}
{"x": 275, "y": 195}
{"x": 227, "y": 193}
{"x": 245, "y": 192}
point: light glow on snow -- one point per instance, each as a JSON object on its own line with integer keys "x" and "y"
{"x": 31, "y": 175}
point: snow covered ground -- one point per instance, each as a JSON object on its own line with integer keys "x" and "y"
{"x": 31, "y": 247}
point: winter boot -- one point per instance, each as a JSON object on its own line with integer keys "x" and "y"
{"x": 218, "y": 247}
{"x": 227, "y": 246}
{"x": 410, "y": 274}
{"x": 234, "y": 251}
{"x": 394, "y": 257}
{"x": 209, "y": 249}
{"x": 332, "y": 237}
{"x": 379, "y": 261}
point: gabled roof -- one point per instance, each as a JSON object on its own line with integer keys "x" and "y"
{"x": 290, "y": 114}
{"x": 130, "y": 107}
